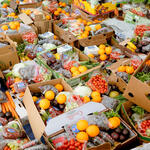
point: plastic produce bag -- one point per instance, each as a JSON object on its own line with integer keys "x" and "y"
{"x": 29, "y": 37}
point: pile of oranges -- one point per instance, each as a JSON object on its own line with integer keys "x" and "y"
{"x": 13, "y": 15}
{"x": 78, "y": 70}
{"x": 127, "y": 69}
{"x": 60, "y": 10}
{"x": 26, "y": 11}
{"x": 50, "y": 96}
{"x": 95, "y": 97}
{"x": 104, "y": 52}
{"x": 87, "y": 28}
{"x": 86, "y": 131}
{"x": 12, "y": 25}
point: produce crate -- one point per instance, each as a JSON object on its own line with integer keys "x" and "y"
{"x": 8, "y": 54}
{"x": 138, "y": 91}
{"x": 35, "y": 119}
{"x": 116, "y": 80}
{"x": 105, "y": 146}
{"x": 68, "y": 37}
{"x": 17, "y": 37}
{"x": 125, "y": 112}
{"x": 39, "y": 22}
{"x": 74, "y": 80}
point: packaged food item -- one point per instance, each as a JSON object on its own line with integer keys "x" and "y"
{"x": 19, "y": 86}
{"x": 98, "y": 83}
{"x": 29, "y": 37}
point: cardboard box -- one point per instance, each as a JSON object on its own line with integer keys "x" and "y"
{"x": 56, "y": 123}
{"x": 8, "y": 54}
{"x": 105, "y": 146}
{"x": 68, "y": 37}
{"x": 30, "y": 5}
{"x": 137, "y": 91}
{"x": 74, "y": 80}
{"x": 126, "y": 114}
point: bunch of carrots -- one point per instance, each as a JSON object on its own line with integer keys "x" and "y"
{"x": 9, "y": 106}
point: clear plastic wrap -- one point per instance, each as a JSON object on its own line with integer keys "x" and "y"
{"x": 29, "y": 37}
{"x": 98, "y": 83}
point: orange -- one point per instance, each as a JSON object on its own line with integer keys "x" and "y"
{"x": 55, "y": 37}
{"x": 101, "y": 51}
{"x": 73, "y": 69}
{"x": 34, "y": 98}
{"x": 82, "y": 137}
{"x": 97, "y": 99}
{"x": 50, "y": 95}
{"x": 13, "y": 27}
{"x": 17, "y": 24}
{"x": 4, "y": 27}
{"x": 44, "y": 104}
{"x": 60, "y": 3}
{"x": 86, "y": 33}
{"x": 82, "y": 125}
{"x": 79, "y": 20}
{"x": 4, "y": 5}
{"x": 122, "y": 69}
{"x": 48, "y": 17}
{"x": 86, "y": 99}
{"x": 114, "y": 122}
{"x": 76, "y": 73}
{"x": 87, "y": 28}
{"x": 63, "y": 5}
{"x": 56, "y": 13}
{"x": 103, "y": 57}
{"x": 102, "y": 46}
{"x": 11, "y": 23}
{"x": 59, "y": 87}
{"x": 92, "y": 130}
{"x": 95, "y": 94}
{"x": 84, "y": 22}
{"x": 82, "y": 69}
{"x": 63, "y": 11}
{"x": 59, "y": 10}
{"x": 89, "y": 23}
{"x": 12, "y": 14}
{"x": 97, "y": 27}
{"x": 129, "y": 70}
{"x": 91, "y": 55}
{"x": 61, "y": 98}
{"x": 28, "y": 12}
{"x": 108, "y": 50}
{"x": 67, "y": 14}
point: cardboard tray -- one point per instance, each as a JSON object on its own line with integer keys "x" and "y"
{"x": 8, "y": 54}
{"x": 35, "y": 119}
{"x": 137, "y": 91}
{"x": 125, "y": 111}
{"x": 74, "y": 80}
{"x": 105, "y": 146}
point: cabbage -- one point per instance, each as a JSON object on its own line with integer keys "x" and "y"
{"x": 15, "y": 70}
{"x": 82, "y": 91}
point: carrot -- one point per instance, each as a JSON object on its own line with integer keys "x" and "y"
{"x": 6, "y": 107}
{"x": 3, "y": 108}
{"x": 10, "y": 108}
{"x": 14, "y": 114}
{"x": 10, "y": 99}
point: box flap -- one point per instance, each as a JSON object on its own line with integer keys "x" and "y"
{"x": 56, "y": 124}
{"x": 35, "y": 120}
{"x": 26, "y": 20}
